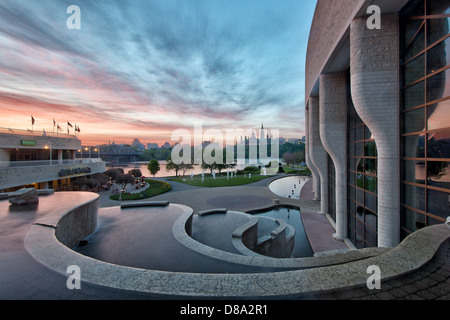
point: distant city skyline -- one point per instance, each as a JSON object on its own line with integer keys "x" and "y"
{"x": 142, "y": 69}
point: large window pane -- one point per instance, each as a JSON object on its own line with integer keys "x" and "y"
{"x": 416, "y": 46}
{"x": 359, "y": 133}
{"x": 359, "y": 196}
{"x": 414, "y": 146}
{"x": 437, "y": 7}
{"x": 360, "y": 166}
{"x": 359, "y": 234}
{"x": 371, "y": 227}
{"x": 370, "y": 149}
{"x": 439, "y": 203}
{"x": 414, "y": 8}
{"x": 412, "y": 220}
{"x": 438, "y": 56}
{"x": 439, "y": 144}
{"x": 351, "y": 195}
{"x": 414, "y": 196}
{"x": 414, "y": 70}
{"x": 359, "y": 149}
{"x": 370, "y": 166}
{"x": 414, "y": 171}
{"x": 438, "y": 174}
{"x": 371, "y": 202}
{"x": 438, "y": 115}
{"x": 370, "y": 183}
{"x": 437, "y": 86}
{"x": 411, "y": 27}
{"x": 437, "y": 29}
{"x": 414, "y": 120}
{"x": 414, "y": 95}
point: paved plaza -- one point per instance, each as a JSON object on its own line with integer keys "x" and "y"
{"x": 23, "y": 278}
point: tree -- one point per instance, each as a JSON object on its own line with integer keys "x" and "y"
{"x": 124, "y": 180}
{"x": 206, "y": 166}
{"x": 153, "y": 167}
{"x": 172, "y": 166}
{"x": 186, "y": 166}
{"x": 114, "y": 172}
{"x": 135, "y": 173}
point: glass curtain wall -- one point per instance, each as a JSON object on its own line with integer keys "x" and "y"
{"x": 362, "y": 182}
{"x": 425, "y": 114}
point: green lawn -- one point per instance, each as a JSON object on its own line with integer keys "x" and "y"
{"x": 219, "y": 181}
{"x": 155, "y": 188}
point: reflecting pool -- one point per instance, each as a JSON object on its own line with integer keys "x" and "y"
{"x": 288, "y": 187}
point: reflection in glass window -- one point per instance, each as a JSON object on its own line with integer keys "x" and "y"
{"x": 414, "y": 69}
{"x": 437, "y": 29}
{"x": 438, "y": 56}
{"x": 370, "y": 149}
{"x": 438, "y": 203}
{"x": 426, "y": 109}
{"x": 438, "y": 173}
{"x": 414, "y": 197}
{"x": 361, "y": 183}
{"x": 414, "y": 146}
{"x": 417, "y": 45}
{"x": 438, "y": 115}
{"x": 414, "y": 171}
{"x": 414, "y": 120}
{"x": 435, "y": 7}
{"x": 438, "y": 145}
{"x": 414, "y": 95}
{"x": 437, "y": 86}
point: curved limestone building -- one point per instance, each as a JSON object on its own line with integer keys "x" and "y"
{"x": 378, "y": 111}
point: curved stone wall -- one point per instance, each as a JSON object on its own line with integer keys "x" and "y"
{"x": 309, "y": 275}
{"x": 77, "y": 224}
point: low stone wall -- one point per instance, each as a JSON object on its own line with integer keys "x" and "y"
{"x": 279, "y": 244}
{"x": 77, "y": 224}
{"x": 415, "y": 251}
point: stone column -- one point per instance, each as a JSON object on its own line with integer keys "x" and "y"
{"x": 5, "y": 157}
{"x": 333, "y": 134}
{"x": 317, "y": 152}
{"x": 315, "y": 173}
{"x": 60, "y": 156}
{"x": 374, "y": 68}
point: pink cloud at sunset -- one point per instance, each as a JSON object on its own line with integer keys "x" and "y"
{"x": 146, "y": 74}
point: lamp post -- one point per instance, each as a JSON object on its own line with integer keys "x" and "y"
{"x": 49, "y": 147}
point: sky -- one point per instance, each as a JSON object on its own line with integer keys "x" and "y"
{"x": 144, "y": 68}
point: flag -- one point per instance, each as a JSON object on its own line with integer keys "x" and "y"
{"x": 54, "y": 122}
{"x": 58, "y": 127}
{"x": 32, "y": 120}
{"x": 78, "y": 129}
{"x": 44, "y": 133}
{"x": 69, "y": 124}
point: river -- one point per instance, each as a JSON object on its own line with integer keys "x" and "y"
{"x": 142, "y": 165}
